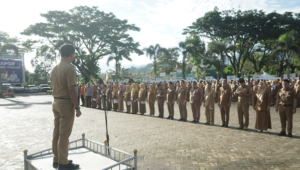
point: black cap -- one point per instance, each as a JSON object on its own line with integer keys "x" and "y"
{"x": 241, "y": 80}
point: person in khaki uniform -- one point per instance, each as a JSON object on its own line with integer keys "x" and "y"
{"x": 233, "y": 89}
{"x": 99, "y": 96}
{"x": 196, "y": 97}
{"x": 286, "y": 103}
{"x": 274, "y": 91}
{"x": 109, "y": 99}
{"x": 63, "y": 82}
{"x": 120, "y": 98}
{"x": 94, "y": 97}
{"x": 171, "y": 95}
{"x": 209, "y": 100}
{"x": 127, "y": 98}
{"x": 217, "y": 90}
{"x": 142, "y": 97}
{"x": 151, "y": 99}
{"x": 134, "y": 98}
{"x": 115, "y": 97}
{"x": 181, "y": 100}
{"x": 160, "y": 100}
{"x": 225, "y": 102}
{"x": 243, "y": 93}
{"x": 261, "y": 104}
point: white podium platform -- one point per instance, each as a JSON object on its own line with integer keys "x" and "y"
{"x": 88, "y": 154}
{"x": 85, "y": 158}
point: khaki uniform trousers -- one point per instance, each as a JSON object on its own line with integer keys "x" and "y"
{"x": 210, "y": 114}
{"x": 151, "y": 107}
{"x": 160, "y": 103}
{"x": 99, "y": 100}
{"x": 196, "y": 111}
{"x": 182, "y": 110}
{"x": 170, "y": 108}
{"x": 128, "y": 107}
{"x": 243, "y": 111}
{"x": 225, "y": 114}
{"x": 64, "y": 113}
{"x": 286, "y": 114}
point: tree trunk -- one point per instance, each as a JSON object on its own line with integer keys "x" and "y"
{"x": 155, "y": 68}
{"x": 183, "y": 67}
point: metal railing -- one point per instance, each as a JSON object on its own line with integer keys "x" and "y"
{"x": 123, "y": 158}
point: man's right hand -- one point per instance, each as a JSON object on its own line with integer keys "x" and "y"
{"x": 78, "y": 113}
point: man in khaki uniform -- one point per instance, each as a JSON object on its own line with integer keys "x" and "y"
{"x": 225, "y": 103}
{"x": 217, "y": 89}
{"x": 196, "y": 96}
{"x": 181, "y": 100}
{"x": 274, "y": 91}
{"x": 171, "y": 100}
{"x": 243, "y": 93}
{"x": 209, "y": 100}
{"x": 286, "y": 103}
{"x": 160, "y": 100}
{"x": 63, "y": 82}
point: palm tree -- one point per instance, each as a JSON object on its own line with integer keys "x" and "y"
{"x": 118, "y": 56}
{"x": 153, "y": 52}
{"x": 289, "y": 45}
{"x": 186, "y": 48}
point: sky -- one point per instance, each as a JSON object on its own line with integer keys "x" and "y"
{"x": 160, "y": 21}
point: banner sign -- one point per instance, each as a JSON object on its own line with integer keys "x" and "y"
{"x": 209, "y": 78}
{"x": 229, "y": 78}
{"x": 292, "y": 75}
{"x": 11, "y": 71}
{"x": 256, "y": 77}
{"x": 162, "y": 74}
{"x": 172, "y": 73}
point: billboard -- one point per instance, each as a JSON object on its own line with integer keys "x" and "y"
{"x": 11, "y": 71}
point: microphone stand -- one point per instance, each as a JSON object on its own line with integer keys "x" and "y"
{"x": 104, "y": 99}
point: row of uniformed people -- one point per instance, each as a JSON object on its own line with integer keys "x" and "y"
{"x": 135, "y": 99}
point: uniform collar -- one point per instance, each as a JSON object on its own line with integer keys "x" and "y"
{"x": 64, "y": 60}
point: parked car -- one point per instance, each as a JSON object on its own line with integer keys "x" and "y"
{"x": 32, "y": 89}
{"x": 44, "y": 87}
{"x": 17, "y": 87}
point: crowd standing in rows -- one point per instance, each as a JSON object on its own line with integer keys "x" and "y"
{"x": 261, "y": 94}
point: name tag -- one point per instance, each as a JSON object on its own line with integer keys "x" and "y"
{"x": 115, "y": 101}
{"x": 143, "y": 102}
{"x": 129, "y": 103}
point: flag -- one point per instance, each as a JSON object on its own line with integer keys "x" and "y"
{"x": 106, "y": 75}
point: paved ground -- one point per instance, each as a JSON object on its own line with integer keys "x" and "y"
{"x": 27, "y": 123}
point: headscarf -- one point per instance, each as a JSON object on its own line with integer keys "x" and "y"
{"x": 142, "y": 90}
{"x": 261, "y": 91}
{"x": 127, "y": 90}
{"x": 134, "y": 89}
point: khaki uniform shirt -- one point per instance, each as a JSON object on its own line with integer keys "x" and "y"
{"x": 151, "y": 96}
{"x": 243, "y": 99}
{"x": 225, "y": 94}
{"x": 182, "y": 94}
{"x": 63, "y": 75}
{"x": 160, "y": 92}
{"x": 262, "y": 105}
{"x": 195, "y": 95}
{"x": 209, "y": 97}
{"x": 286, "y": 96}
{"x": 170, "y": 95}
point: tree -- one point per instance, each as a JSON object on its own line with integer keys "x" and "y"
{"x": 7, "y": 43}
{"x": 195, "y": 54}
{"x": 243, "y": 30}
{"x": 91, "y": 31}
{"x": 168, "y": 61}
{"x": 186, "y": 48}
{"x": 43, "y": 62}
{"x": 118, "y": 53}
{"x": 152, "y": 52}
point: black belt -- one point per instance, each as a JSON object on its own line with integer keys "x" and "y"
{"x": 286, "y": 105}
{"x": 61, "y": 98}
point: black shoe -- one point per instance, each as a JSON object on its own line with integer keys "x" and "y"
{"x": 223, "y": 125}
{"x": 180, "y": 119}
{"x": 290, "y": 135}
{"x": 184, "y": 120}
{"x": 226, "y": 126}
{"x": 194, "y": 121}
{"x": 282, "y": 133}
{"x": 55, "y": 164}
{"x": 172, "y": 118}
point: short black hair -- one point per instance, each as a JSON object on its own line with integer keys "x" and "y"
{"x": 171, "y": 82}
{"x": 286, "y": 80}
{"x": 159, "y": 84}
{"x": 183, "y": 81}
{"x": 241, "y": 80}
{"x": 194, "y": 82}
{"x": 66, "y": 50}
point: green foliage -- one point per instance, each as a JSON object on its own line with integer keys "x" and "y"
{"x": 93, "y": 33}
{"x": 166, "y": 62}
{"x": 49, "y": 92}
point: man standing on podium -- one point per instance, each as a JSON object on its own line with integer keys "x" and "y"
{"x": 63, "y": 82}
